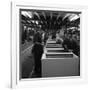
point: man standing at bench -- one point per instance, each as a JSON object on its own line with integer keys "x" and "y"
{"x": 37, "y": 52}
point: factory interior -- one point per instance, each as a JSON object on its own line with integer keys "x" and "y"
{"x": 49, "y": 43}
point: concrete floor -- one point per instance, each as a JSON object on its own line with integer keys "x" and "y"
{"x": 26, "y": 62}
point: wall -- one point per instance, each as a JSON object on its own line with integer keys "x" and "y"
{"x": 5, "y": 44}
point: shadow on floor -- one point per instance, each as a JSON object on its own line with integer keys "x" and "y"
{"x": 27, "y": 67}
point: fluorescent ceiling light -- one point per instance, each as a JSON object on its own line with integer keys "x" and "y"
{"x": 27, "y": 14}
{"x": 73, "y": 17}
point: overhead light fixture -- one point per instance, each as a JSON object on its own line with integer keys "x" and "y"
{"x": 27, "y": 14}
{"x": 37, "y": 22}
{"x": 73, "y": 17}
{"x": 67, "y": 15}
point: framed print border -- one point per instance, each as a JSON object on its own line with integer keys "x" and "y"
{"x": 15, "y": 80}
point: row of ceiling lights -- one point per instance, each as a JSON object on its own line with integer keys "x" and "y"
{"x": 71, "y": 16}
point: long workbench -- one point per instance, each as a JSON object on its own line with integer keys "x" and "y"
{"x": 58, "y": 62}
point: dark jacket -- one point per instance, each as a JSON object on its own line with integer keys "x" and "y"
{"x": 37, "y": 52}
